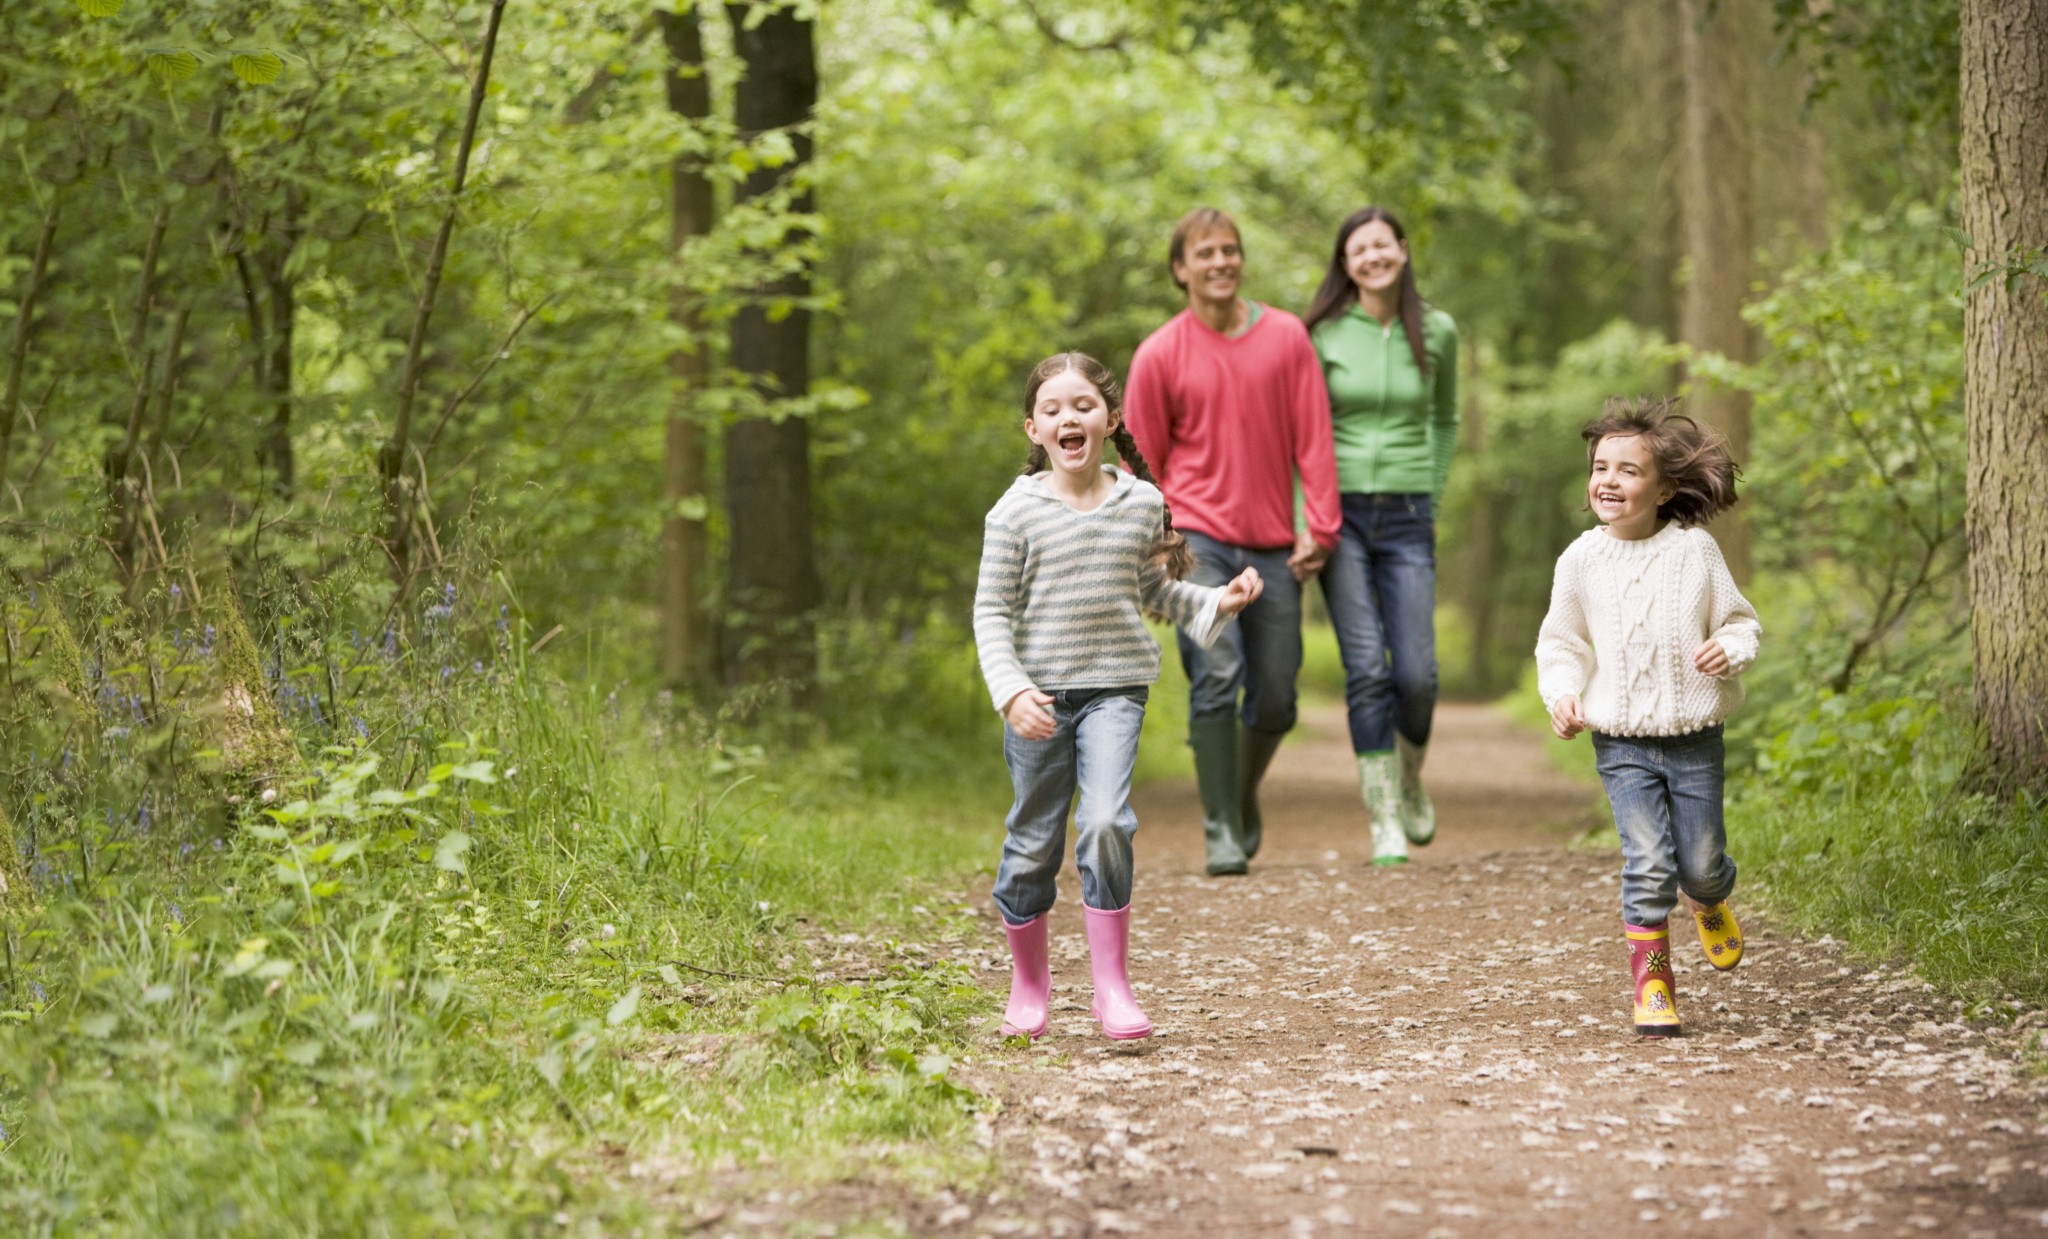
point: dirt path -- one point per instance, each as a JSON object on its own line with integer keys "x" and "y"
{"x": 1443, "y": 1049}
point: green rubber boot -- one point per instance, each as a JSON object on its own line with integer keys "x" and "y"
{"x": 1255, "y": 751}
{"x": 1379, "y": 785}
{"x": 1217, "y": 776}
{"x": 1418, "y": 815}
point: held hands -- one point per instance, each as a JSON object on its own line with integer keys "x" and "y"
{"x": 1711, "y": 659}
{"x": 1028, "y": 716}
{"x": 1308, "y": 558}
{"x": 1242, "y": 592}
{"x": 1567, "y": 717}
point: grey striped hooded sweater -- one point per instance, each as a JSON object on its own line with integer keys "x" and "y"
{"x": 1062, "y": 594}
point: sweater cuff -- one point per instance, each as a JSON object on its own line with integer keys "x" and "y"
{"x": 1208, "y": 624}
{"x": 1003, "y": 690}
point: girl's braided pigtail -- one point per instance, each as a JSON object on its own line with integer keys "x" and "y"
{"x": 1171, "y": 551}
{"x": 1037, "y": 462}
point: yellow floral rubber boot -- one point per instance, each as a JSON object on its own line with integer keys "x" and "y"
{"x": 1649, "y": 961}
{"x": 1719, "y": 933}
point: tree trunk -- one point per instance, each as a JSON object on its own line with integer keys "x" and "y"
{"x": 17, "y": 352}
{"x": 772, "y": 573}
{"x": 1482, "y": 577}
{"x": 2005, "y": 340}
{"x": 688, "y": 640}
{"x": 1715, "y": 203}
{"x": 274, "y": 452}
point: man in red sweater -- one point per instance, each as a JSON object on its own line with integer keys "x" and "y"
{"x": 1228, "y": 405}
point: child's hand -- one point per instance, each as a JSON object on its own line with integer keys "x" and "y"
{"x": 1567, "y": 718}
{"x": 1241, "y": 592}
{"x": 1027, "y": 715}
{"x": 1711, "y": 659}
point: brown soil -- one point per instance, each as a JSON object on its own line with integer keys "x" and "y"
{"x": 1445, "y": 1049}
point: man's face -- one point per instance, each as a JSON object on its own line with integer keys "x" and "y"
{"x": 1211, "y": 265}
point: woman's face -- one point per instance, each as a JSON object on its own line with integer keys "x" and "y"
{"x": 1374, "y": 257}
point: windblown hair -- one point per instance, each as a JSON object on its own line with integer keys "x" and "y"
{"x": 1171, "y": 551}
{"x": 1338, "y": 293}
{"x": 1691, "y": 458}
{"x": 1193, "y": 224}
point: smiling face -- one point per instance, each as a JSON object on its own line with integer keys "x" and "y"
{"x": 1211, "y": 265}
{"x": 1625, "y": 488}
{"x": 1070, "y": 420}
{"x": 1374, "y": 257}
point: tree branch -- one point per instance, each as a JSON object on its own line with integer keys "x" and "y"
{"x": 392, "y": 458}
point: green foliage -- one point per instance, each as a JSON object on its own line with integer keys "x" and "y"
{"x": 409, "y": 992}
{"x": 1852, "y": 827}
{"x": 1856, "y": 485}
{"x": 1516, "y": 496}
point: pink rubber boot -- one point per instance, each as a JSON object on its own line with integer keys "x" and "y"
{"x": 1030, "y": 979}
{"x": 1109, "y": 936}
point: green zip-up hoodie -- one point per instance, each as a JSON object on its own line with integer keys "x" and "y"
{"x": 1395, "y": 428}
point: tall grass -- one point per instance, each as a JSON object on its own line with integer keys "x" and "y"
{"x": 433, "y": 942}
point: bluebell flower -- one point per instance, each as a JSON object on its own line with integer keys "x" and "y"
{"x": 362, "y": 728}
{"x": 176, "y": 593}
{"x": 36, "y": 988}
{"x": 177, "y": 915}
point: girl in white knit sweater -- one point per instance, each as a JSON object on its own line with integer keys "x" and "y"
{"x": 1642, "y": 646}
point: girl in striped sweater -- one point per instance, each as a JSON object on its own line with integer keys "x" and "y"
{"x": 1073, "y": 556}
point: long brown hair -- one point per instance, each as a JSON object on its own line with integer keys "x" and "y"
{"x": 1338, "y": 293}
{"x": 1171, "y": 551}
{"x": 1693, "y": 459}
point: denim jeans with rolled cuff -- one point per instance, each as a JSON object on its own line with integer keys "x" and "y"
{"x": 1666, "y": 793}
{"x": 1251, "y": 668}
{"x": 1093, "y": 748}
{"x": 1380, "y": 587}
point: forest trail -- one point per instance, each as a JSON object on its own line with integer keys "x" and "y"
{"x": 1444, "y": 1048}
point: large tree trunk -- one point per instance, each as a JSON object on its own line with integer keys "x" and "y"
{"x": 773, "y": 576}
{"x": 2005, "y": 334}
{"x": 1715, "y": 203}
{"x": 688, "y": 640}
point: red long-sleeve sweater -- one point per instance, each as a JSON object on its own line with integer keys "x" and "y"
{"x": 1227, "y": 422}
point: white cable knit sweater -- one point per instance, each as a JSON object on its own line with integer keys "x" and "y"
{"x": 1625, "y": 617}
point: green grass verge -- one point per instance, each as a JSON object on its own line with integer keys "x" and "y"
{"x": 500, "y": 944}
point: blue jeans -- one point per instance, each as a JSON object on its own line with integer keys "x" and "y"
{"x": 1380, "y": 586}
{"x": 1093, "y": 747}
{"x": 1259, "y": 653}
{"x": 1666, "y": 793}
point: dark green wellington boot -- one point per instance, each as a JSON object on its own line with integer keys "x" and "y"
{"x": 1216, "y": 775}
{"x": 1255, "y": 751}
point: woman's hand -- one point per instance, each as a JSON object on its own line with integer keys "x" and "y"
{"x": 1028, "y": 716}
{"x": 1567, "y": 717}
{"x": 1711, "y": 659}
{"x": 1308, "y": 558}
{"x": 1241, "y": 592}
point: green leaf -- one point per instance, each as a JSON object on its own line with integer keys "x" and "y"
{"x": 623, "y": 1009}
{"x": 449, "y": 852}
{"x": 172, "y": 64}
{"x": 100, "y": 1026}
{"x": 101, "y": 8}
{"x": 259, "y": 68}
{"x": 476, "y": 772}
{"x": 303, "y": 1053}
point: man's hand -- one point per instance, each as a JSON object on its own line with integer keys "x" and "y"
{"x": 1308, "y": 558}
{"x": 1242, "y": 592}
{"x": 1028, "y": 716}
{"x": 1567, "y": 718}
{"x": 1711, "y": 659}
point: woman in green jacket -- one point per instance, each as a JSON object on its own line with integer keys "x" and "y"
{"x": 1391, "y": 363}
